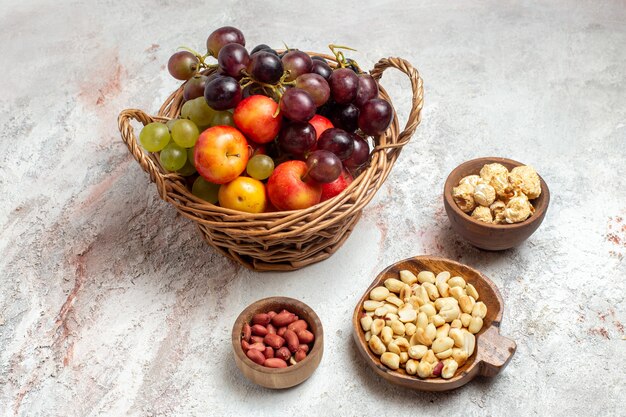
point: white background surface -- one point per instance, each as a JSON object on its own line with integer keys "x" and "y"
{"x": 111, "y": 304}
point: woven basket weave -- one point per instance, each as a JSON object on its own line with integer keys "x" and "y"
{"x": 287, "y": 240}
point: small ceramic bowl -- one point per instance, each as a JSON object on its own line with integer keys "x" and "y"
{"x": 491, "y": 236}
{"x": 492, "y": 352}
{"x": 279, "y": 378}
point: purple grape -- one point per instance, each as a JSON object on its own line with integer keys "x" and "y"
{"x": 233, "y": 58}
{"x": 265, "y": 67}
{"x": 252, "y": 90}
{"x": 247, "y": 92}
{"x": 214, "y": 76}
{"x": 273, "y": 150}
{"x": 219, "y": 71}
{"x": 297, "y": 63}
{"x": 361, "y": 153}
{"x": 183, "y": 65}
{"x": 343, "y": 85}
{"x": 321, "y": 68}
{"x": 222, "y": 93}
{"x": 222, "y": 37}
{"x": 194, "y": 88}
{"x": 327, "y": 109}
{"x": 375, "y": 117}
{"x": 337, "y": 141}
{"x": 297, "y": 138}
{"x": 262, "y": 47}
{"x": 345, "y": 116}
{"x": 316, "y": 86}
{"x": 367, "y": 89}
{"x": 323, "y": 166}
{"x": 297, "y": 105}
{"x": 353, "y": 66}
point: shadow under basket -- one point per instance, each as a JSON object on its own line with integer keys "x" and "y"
{"x": 283, "y": 240}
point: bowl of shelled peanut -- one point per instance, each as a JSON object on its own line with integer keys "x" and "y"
{"x": 495, "y": 203}
{"x": 431, "y": 324}
{"x": 278, "y": 342}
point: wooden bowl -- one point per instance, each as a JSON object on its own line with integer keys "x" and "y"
{"x": 491, "y": 236}
{"x": 492, "y": 353}
{"x": 282, "y": 377}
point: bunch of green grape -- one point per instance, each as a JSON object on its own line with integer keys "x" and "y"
{"x": 199, "y": 112}
{"x": 176, "y": 138}
{"x": 175, "y": 141}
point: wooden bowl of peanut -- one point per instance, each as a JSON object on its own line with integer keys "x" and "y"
{"x": 278, "y": 342}
{"x": 431, "y": 324}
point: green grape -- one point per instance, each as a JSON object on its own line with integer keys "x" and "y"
{"x": 188, "y": 169}
{"x": 197, "y": 111}
{"x": 205, "y": 190}
{"x": 173, "y": 157}
{"x": 260, "y": 167}
{"x": 154, "y": 136}
{"x": 223, "y": 118}
{"x": 185, "y": 111}
{"x": 170, "y": 124}
{"x": 190, "y": 157}
{"x": 185, "y": 133}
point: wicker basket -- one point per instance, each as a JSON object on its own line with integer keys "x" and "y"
{"x": 288, "y": 240}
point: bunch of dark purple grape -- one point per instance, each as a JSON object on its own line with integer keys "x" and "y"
{"x": 328, "y": 112}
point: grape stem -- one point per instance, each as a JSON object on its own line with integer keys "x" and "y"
{"x": 354, "y": 63}
{"x": 200, "y": 57}
{"x": 276, "y": 90}
{"x": 247, "y": 80}
{"x": 341, "y": 58}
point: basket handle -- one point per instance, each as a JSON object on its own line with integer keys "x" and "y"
{"x": 128, "y": 136}
{"x": 417, "y": 87}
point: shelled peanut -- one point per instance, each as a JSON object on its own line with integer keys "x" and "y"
{"x": 276, "y": 340}
{"x": 424, "y": 324}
